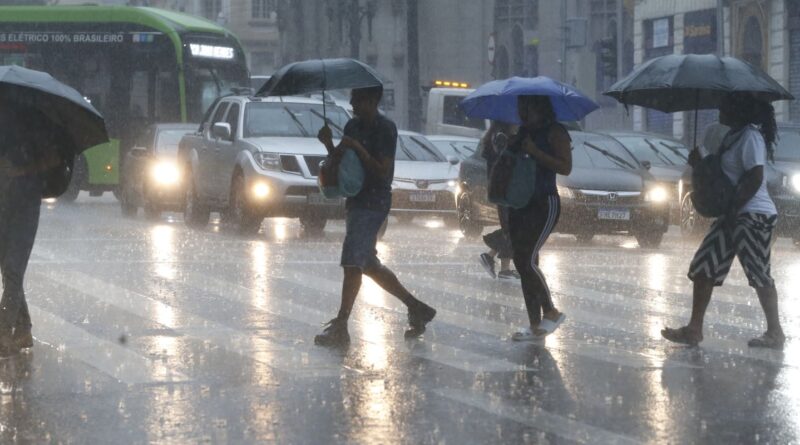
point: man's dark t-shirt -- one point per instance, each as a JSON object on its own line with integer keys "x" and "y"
{"x": 380, "y": 141}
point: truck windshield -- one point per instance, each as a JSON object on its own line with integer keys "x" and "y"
{"x": 277, "y": 119}
{"x": 787, "y": 147}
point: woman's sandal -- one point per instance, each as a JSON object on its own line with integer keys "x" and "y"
{"x": 767, "y": 341}
{"x": 547, "y": 326}
{"x": 682, "y": 335}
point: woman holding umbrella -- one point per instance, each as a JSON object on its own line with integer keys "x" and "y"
{"x": 537, "y": 104}
{"x": 548, "y": 142}
{"x": 746, "y": 230}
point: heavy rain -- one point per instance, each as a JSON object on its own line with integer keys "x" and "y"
{"x": 400, "y": 221}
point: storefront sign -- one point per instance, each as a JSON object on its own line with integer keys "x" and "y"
{"x": 700, "y": 32}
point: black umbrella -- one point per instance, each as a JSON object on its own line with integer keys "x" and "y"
{"x": 693, "y": 82}
{"x": 62, "y": 106}
{"x": 310, "y": 76}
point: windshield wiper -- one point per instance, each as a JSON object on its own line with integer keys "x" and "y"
{"x": 435, "y": 155}
{"x": 297, "y": 121}
{"x": 674, "y": 150}
{"x": 658, "y": 152}
{"x": 327, "y": 121}
{"x": 617, "y": 160}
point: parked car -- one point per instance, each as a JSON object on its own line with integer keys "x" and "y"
{"x": 459, "y": 146}
{"x": 606, "y": 193}
{"x": 424, "y": 179}
{"x": 151, "y": 175}
{"x": 783, "y": 184}
{"x": 665, "y": 158}
{"x": 257, "y": 157}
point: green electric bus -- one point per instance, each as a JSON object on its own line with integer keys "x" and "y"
{"x": 137, "y": 66}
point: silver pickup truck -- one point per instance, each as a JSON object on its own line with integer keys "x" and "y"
{"x": 259, "y": 157}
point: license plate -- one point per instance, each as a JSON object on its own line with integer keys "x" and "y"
{"x": 614, "y": 214}
{"x": 422, "y": 197}
{"x": 318, "y": 199}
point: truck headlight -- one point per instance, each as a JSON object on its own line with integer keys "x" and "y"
{"x": 260, "y": 190}
{"x": 657, "y": 194}
{"x": 795, "y": 182}
{"x": 565, "y": 192}
{"x": 268, "y": 161}
{"x": 166, "y": 173}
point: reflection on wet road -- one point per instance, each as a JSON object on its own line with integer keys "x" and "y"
{"x": 149, "y": 331}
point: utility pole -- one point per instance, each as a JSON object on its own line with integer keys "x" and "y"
{"x": 412, "y": 38}
{"x": 620, "y": 39}
{"x": 564, "y": 31}
{"x": 355, "y": 28}
{"x": 720, "y": 28}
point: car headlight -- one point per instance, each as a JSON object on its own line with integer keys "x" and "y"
{"x": 166, "y": 173}
{"x": 657, "y": 193}
{"x": 565, "y": 192}
{"x": 260, "y": 190}
{"x": 268, "y": 161}
{"x": 794, "y": 181}
{"x": 451, "y": 183}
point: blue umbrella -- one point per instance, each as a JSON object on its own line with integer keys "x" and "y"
{"x": 497, "y": 100}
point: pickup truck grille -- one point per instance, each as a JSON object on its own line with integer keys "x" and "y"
{"x": 312, "y": 162}
{"x": 289, "y": 164}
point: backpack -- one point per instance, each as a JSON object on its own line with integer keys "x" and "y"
{"x": 341, "y": 175}
{"x": 713, "y": 191}
{"x": 512, "y": 181}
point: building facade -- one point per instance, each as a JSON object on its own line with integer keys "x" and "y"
{"x": 410, "y": 42}
{"x": 765, "y": 33}
{"x": 585, "y": 43}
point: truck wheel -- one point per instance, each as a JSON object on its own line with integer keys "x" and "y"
{"x": 690, "y": 220}
{"x": 245, "y": 221}
{"x": 313, "y": 224}
{"x": 649, "y": 239}
{"x": 79, "y": 175}
{"x": 151, "y": 211}
{"x": 466, "y": 220}
{"x": 127, "y": 206}
{"x": 195, "y": 214}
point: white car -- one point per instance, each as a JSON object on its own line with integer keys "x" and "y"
{"x": 259, "y": 157}
{"x": 424, "y": 179}
{"x": 459, "y": 146}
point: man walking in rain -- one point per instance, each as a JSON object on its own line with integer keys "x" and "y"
{"x": 20, "y": 199}
{"x": 374, "y": 139}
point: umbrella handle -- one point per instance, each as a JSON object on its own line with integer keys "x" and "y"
{"x": 696, "y": 106}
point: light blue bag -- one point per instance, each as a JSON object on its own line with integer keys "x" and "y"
{"x": 513, "y": 180}
{"x": 341, "y": 176}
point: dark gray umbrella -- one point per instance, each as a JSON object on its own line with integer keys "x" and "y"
{"x": 693, "y": 82}
{"x": 65, "y": 109}
{"x": 315, "y": 75}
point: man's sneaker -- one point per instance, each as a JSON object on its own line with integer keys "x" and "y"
{"x": 508, "y": 275}
{"x": 488, "y": 263}
{"x": 418, "y": 317}
{"x": 23, "y": 338}
{"x": 335, "y": 334}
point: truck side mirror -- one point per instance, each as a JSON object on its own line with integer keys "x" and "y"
{"x": 221, "y": 130}
{"x": 453, "y": 160}
{"x": 647, "y": 165}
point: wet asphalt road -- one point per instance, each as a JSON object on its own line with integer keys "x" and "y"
{"x": 152, "y": 332}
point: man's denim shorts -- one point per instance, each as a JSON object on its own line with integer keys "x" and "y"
{"x": 359, "y": 249}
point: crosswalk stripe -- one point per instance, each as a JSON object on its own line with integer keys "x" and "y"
{"x": 288, "y": 359}
{"x": 616, "y": 355}
{"x": 106, "y": 356}
{"x": 438, "y": 353}
{"x": 537, "y": 418}
{"x": 633, "y": 327}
